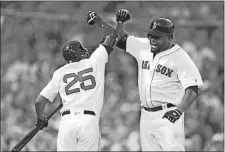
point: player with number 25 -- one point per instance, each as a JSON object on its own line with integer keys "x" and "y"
{"x": 80, "y": 84}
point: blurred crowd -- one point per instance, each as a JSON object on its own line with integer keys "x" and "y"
{"x": 31, "y": 52}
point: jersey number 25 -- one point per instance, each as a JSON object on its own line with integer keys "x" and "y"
{"x": 79, "y": 78}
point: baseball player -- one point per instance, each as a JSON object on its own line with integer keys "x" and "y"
{"x": 168, "y": 82}
{"x": 80, "y": 84}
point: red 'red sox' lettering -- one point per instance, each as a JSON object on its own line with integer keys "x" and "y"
{"x": 164, "y": 70}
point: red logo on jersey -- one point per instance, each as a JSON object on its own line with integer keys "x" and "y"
{"x": 164, "y": 70}
{"x": 146, "y": 65}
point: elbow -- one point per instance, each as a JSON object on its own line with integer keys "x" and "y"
{"x": 36, "y": 102}
{"x": 191, "y": 94}
{"x": 40, "y": 99}
{"x": 122, "y": 42}
{"x": 194, "y": 94}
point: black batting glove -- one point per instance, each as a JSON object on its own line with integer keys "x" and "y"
{"x": 92, "y": 18}
{"x": 122, "y": 15}
{"x": 42, "y": 120}
{"x": 173, "y": 115}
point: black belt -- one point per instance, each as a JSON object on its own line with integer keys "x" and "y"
{"x": 153, "y": 109}
{"x": 85, "y": 112}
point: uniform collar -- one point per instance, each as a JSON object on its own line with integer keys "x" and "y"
{"x": 169, "y": 51}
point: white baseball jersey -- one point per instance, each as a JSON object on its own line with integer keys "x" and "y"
{"x": 80, "y": 84}
{"x": 164, "y": 78}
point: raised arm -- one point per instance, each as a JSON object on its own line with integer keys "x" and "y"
{"x": 121, "y": 17}
{"x": 93, "y": 18}
{"x": 122, "y": 39}
{"x": 110, "y": 35}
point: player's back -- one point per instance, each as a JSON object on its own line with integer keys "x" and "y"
{"x": 81, "y": 84}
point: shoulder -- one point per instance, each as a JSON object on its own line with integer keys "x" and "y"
{"x": 101, "y": 50}
{"x": 183, "y": 55}
{"x": 99, "y": 53}
{"x": 58, "y": 71}
{"x": 102, "y": 47}
{"x": 180, "y": 53}
{"x": 138, "y": 43}
{"x": 183, "y": 59}
{"x": 138, "y": 39}
{"x": 61, "y": 69}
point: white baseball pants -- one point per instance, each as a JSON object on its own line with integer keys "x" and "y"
{"x": 78, "y": 133}
{"x": 159, "y": 134}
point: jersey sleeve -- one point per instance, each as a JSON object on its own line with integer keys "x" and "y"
{"x": 134, "y": 45}
{"x": 100, "y": 55}
{"x": 51, "y": 89}
{"x": 188, "y": 73}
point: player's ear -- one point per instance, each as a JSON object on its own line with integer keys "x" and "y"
{"x": 168, "y": 38}
{"x": 87, "y": 55}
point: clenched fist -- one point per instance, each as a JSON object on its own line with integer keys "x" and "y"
{"x": 122, "y": 15}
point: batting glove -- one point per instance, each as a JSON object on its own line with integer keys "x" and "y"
{"x": 92, "y": 18}
{"x": 42, "y": 120}
{"x": 122, "y": 15}
{"x": 173, "y": 115}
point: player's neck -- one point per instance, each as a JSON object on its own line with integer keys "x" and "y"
{"x": 169, "y": 46}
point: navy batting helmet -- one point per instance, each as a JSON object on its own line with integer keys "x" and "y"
{"x": 161, "y": 27}
{"x": 73, "y": 52}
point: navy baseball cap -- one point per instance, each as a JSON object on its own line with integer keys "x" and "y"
{"x": 161, "y": 27}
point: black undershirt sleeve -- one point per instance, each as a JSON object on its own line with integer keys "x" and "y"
{"x": 122, "y": 42}
{"x": 194, "y": 88}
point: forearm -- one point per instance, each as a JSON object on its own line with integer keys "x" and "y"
{"x": 40, "y": 105}
{"x": 120, "y": 30}
{"x": 107, "y": 27}
{"x": 187, "y": 100}
{"x": 122, "y": 39}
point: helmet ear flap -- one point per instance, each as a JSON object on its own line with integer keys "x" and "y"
{"x": 87, "y": 54}
{"x": 84, "y": 53}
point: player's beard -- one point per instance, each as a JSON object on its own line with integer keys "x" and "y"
{"x": 155, "y": 48}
